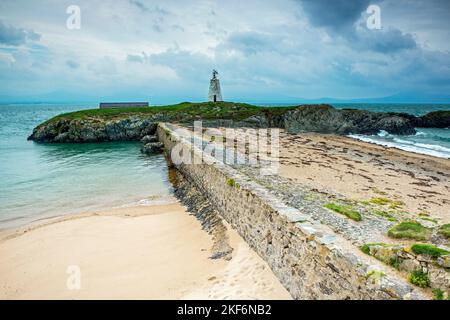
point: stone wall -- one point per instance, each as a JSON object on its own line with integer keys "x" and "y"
{"x": 309, "y": 259}
{"x": 437, "y": 268}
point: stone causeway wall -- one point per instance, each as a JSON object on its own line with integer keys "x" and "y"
{"x": 309, "y": 259}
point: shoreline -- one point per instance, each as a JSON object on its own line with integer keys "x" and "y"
{"x": 412, "y": 147}
{"x": 13, "y": 223}
{"x": 139, "y": 252}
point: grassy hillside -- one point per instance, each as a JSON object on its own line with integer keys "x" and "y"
{"x": 205, "y": 110}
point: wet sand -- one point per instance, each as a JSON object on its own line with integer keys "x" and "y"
{"x": 147, "y": 252}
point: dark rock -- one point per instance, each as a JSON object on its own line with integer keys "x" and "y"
{"x": 94, "y": 130}
{"x": 436, "y": 119}
{"x": 326, "y": 119}
{"x": 152, "y": 147}
{"x": 149, "y": 138}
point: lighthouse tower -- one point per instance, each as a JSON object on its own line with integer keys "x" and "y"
{"x": 214, "y": 93}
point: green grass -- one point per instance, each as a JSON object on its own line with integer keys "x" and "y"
{"x": 419, "y": 278}
{"x": 393, "y": 204}
{"x": 445, "y": 230}
{"x": 345, "y": 210}
{"x": 428, "y": 249}
{"x": 438, "y": 294}
{"x": 386, "y": 215}
{"x": 429, "y": 219}
{"x": 409, "y": 230}
{"x": 395, "y": 263}
{"x": 184, "y": 111}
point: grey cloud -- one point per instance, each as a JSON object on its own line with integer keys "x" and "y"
{"x": 385, "y": 41}
{"x": 188, "y": 65}
{"x": 252, "y": 42}
{"x": 135, "y": 58}
{"x": 334, "y": 15}
{"x": 141, "y": 6}
{"x": 13, "y": 36}
{"x": 340, "y": 16}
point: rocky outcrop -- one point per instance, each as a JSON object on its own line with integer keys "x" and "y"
{"x": 152, "y": 148}
{"x": 149, "y": 138}
{"x": 326, "y": 119}
{"x": 404, "y": 259}
{"x": 94, "y": 130}
{"x": 436, "y": 119}
{"x": 95, "y": 126}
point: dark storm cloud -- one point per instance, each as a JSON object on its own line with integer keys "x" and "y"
{"x": 334, "y": 15}
{"x": 13, "y": 36}
{"x": 340, "y": 17}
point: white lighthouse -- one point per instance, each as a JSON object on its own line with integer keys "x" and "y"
{"x": 214, "y": 93}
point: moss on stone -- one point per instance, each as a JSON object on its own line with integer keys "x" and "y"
{"x": 429, "y": 250}
{"x": 346, "y": 210}
{"x": 232, "y": 183}
{"x": 445, "y": 230}
{"x": 390, "y": 260}
{"x": 409, "y": 230}
{"x": 375, "y": 275}
{"x": 393, "y": 204}
{"x": 395, "y": 262}
{"x": 366, "y": 247}
{"x": 438, "y": 294}
{"x": 419, "y": 278}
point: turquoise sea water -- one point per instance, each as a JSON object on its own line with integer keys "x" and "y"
{"x": 46, "y": 180}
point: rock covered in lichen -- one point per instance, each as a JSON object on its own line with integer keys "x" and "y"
{"x": 444, "y": 261}
{"x": 326, "y": 119}
{"x": 149, "y": 138}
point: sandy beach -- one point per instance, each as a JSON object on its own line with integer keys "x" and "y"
{"x": 146, "y": 252}
{"x": 363, "y": 171}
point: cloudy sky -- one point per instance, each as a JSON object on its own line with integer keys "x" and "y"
{"x": 265, "y": 51}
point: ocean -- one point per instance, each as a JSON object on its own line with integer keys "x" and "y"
{"x": 431, "y": 141}
{"x": 39, "y": 181}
